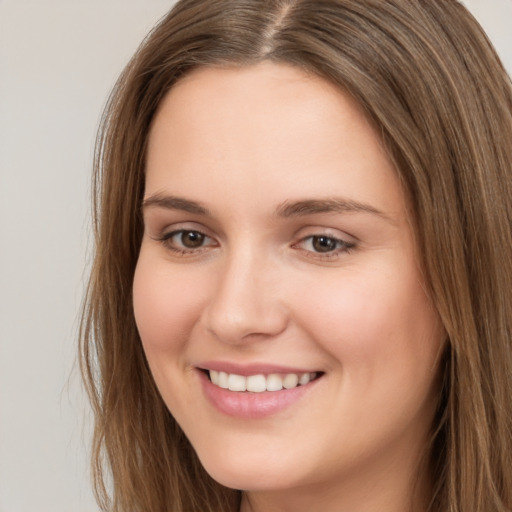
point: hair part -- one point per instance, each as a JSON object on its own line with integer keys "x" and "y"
{"x": 430, "y": 81}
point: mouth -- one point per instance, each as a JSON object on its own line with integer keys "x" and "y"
{"x": 255, "y": 391}
{"x": 259, "y": 383}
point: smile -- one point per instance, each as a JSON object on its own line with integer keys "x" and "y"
{"x": 260, "y": 383}
{"x": 262, "y": 390}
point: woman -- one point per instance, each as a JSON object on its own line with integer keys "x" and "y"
{"x": 300, "y": 297}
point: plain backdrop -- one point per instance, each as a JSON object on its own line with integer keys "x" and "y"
{"x": 58, "y": 61}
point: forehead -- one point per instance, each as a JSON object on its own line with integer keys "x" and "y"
{"x": 265, "y": 131}
{"x": 261, "y": 91}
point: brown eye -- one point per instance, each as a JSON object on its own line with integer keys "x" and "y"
{"x": 192, "y": 239}
{"x": 324, "y": 243}
{"x": 184, "y": 241}
{"x": 325, "y": 246}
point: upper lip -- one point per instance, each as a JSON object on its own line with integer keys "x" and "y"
{"x": 251, "y": 369}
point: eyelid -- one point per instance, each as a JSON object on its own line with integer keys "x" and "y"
{"x": 159, "y": 230}
{"x": 345, "y": 243}
{"x": 174, "y": 232}
{"x": 183, "y": 250}
{"x": 164, "y": 235}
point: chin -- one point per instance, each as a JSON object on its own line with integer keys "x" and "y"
{"x": 248, "y": 475}
{"x": 249, "y": 481}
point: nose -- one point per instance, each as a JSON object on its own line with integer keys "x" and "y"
{"x": 247, "y": 302}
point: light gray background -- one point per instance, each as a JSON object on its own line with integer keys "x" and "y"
{"x": 58, "y": 61}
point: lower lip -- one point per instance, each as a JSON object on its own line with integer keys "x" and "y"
{"x": 247, "y": 405}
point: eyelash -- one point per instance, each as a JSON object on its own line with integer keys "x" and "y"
{"x": 341, "y": 246}
{"x": 166, "y": 240}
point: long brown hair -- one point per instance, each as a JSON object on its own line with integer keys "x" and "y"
{"x": 428, "y": 78}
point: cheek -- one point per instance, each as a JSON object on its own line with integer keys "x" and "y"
{"x": 374, "y": 320}
{"x": 166, "y": 309}
{"x": 383, "y": 338}
{"x": 166, "y": 306}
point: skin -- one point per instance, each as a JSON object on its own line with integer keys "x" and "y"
{"x": 244, "y": 143}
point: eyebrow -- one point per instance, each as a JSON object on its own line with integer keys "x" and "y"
{"x": 285, "y": 210}
{"x": 175, "y": 203}
{"x": 328, "y": 205}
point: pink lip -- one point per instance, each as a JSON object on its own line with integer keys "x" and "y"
{"x": 250, "y": 369}
{"x": 247, "y": 405}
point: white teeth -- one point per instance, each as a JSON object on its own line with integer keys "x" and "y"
{"x": 237, "y": 382}
{"x": 256, "y": 383}
{"x": 274, "y": 382}
{"x": 214, "y": 377}
{"x": 290, "y": 381}
{"x": 305, "y": 378}
{"x": 259, "y": 383}
{"x": 223, "y": 380}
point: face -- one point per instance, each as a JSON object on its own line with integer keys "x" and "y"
{"x": 278, "y": 258}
